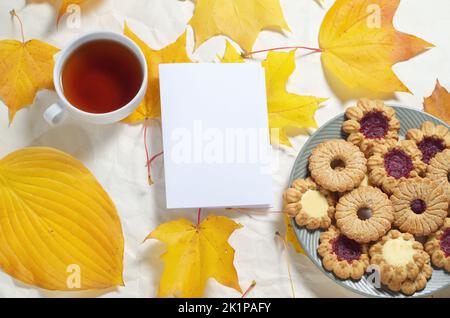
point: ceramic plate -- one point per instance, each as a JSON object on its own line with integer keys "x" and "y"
{"x": 409, "y": 118}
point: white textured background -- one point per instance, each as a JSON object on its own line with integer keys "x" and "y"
{"x": 115, "y": 154}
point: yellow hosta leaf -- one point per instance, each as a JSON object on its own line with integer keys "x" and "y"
{"x": 290, "y": 236}
{"x": 360, "y": 45}
{"x": 195, "y": 255}
{"x": 173, "y": 53}
{"x": 59, "y": 229}
{"x": 240, "y": 20}
{"x": 65, "y": 5}
{"x": 286, "y": 110}
{"x": 25, "y": 68}
{"x": 438, "y": 104}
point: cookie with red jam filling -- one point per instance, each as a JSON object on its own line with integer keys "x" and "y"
{"x": 431, "y": 139}
{"x": 310, "y": 205}
{"x": 394, "y": 162}
{"x": 438, "y": 246}
{"x": 344, "y": 257}
{"x": 403, "y": 264}
{"x": 369, "y": 123}
{"x": 420, "y": 206}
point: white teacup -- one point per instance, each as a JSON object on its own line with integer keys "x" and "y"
{"x": 56, "y": 113}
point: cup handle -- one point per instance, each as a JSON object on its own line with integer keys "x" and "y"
{"x": 55, "y": 114}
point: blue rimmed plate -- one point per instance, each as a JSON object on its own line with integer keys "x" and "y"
{"x": 309, "y": 240}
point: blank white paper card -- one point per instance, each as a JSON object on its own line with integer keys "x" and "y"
{"x": 215, "y": 133}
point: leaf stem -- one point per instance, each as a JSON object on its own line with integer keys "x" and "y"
{"x": 199, "y": 212}
{"x": 314, "y": 50}
{"x": 277, "y": 234}
{"x": 249, "y": 289}
{"x": 14, "y": 15}
{"x": 147, "y": 154}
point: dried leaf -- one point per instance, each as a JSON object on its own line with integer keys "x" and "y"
{"x": 241, "y": 21}
{"x": 173, "y": 53}
{"x": 290, "y": 236}
{"x": 438, "y": 104}
{"x": 195, "y": 255}
{"x": 360, "y": 44}
{"x": 56, "y": 221}
{"x": 286, "y": 110}
{"x": 25, "y": 68}
{"x": 64, "y": 6}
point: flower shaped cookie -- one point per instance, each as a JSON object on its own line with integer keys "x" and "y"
{"x": 394, "y": 162}
{"x": 431, "y": 139}
{"x": 310, "y": 205}
{"x": 342, "y": 256}
{"x": 438, "y": 246}
{"x": 403, "y": 264}
{"x": 370, "y": 123}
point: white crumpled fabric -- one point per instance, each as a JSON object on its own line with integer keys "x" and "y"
{"x": 115, "y": 153}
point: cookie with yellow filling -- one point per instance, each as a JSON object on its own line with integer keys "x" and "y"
{"x": 420, "y": 206}
{"x": 403, "y": 264}
{"x": 310, "y": 205}
{"x": 344, "y": 257}
{"x": 438, "y": 246}
{"x": 365, "y": 214}
{"x": 370, "y": 123}
{"x": 431, "y": 139}
{"x": 394, "y": 162}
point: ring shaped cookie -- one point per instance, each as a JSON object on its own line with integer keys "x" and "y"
{"x": 354, "y": 221}
{"x": 310, "y": 205}
{"x": 431, "y": 139}
{"x": 438, "y": 246}
{"x": 342, "y": 256}
{"x": 337, "y": 165}
{"x": 369, "y": 123}
{"x": 420, "y": 206}
{"x": 439, "y": 171}
{"x": 404, "y": 265}
{"x": 394, "y": 162}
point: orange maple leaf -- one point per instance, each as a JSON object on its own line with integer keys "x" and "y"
{"x": 438, "y": 104}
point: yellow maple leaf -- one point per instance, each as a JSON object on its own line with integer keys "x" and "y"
{"x": 360, "y": 45}
{"x": 59, "y": 229}
{"x": 290, "y": 236}
{"x": 438, "y": 104}
{"x": 196, "y": 254}
{"x": 25, "y": 68}
{"x": 173, "y": 53}
{"x": 286, "y": 110}
{"x": 241, "y": 21}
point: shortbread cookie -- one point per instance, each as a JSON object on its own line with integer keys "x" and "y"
{"x": 369, "y": 123}
{"x": 393, "y": 162}
{"x": 403, "y": 264}
{"x": 310, "y": 205}
{"x": 342, "y": 256}
{"x": 438, "y": 246}
{"x": 365, "y": 214}
{"x": 431, "y": 139}
{"x": 439, "y": 171}
{"x": 420, "y": 206}
{"x": 337, "y": 165}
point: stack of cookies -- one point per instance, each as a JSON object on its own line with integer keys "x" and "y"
{"x": 380, "y": 201}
